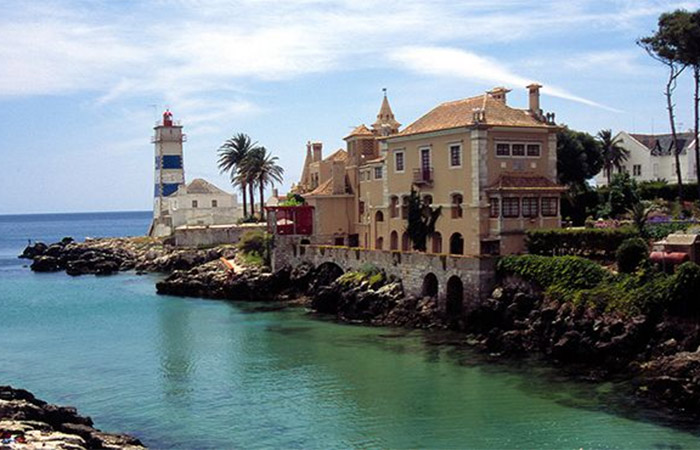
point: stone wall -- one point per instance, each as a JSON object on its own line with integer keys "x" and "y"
{"x": 207, "y": 236}
{"x": 476, "y": 274}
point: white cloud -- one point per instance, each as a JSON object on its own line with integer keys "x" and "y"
{"x": 194, "y": 47}
{"x": 451, "y": 62}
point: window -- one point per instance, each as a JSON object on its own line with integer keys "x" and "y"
{"x": 404, "y": 208}
{"x": 214, "y": 203}
{"x": 502, "y": 149}
{"x": 493, "y": 207}
{"x": 518, "y": 149}
{"x": 550, "y": 206}
{"x": 457, "y": 200}
{"x": 362, "y": 208}
{"x": 455, "y": 155}
{"x": 530, "y": 207}
{"x": 511, "y": 207}
{"x": 394, "y": 206}
{"x": 637, "y": 170}
{"x": 194, "y": 203}
{"x": 533, "y": 149}
{"x": 377, "y": 173}
{"x": 398, "y": 162}
{"x": 427, "y": 200}
{"x": 425, "y": 158}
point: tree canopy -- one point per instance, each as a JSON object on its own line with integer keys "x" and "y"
{"x": 579, "y": 157}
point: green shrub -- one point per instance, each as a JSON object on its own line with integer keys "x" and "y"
{"x": 569, "y": 271}
{"x": 685, "y": 288}
{"x": 631, "y": 253}
{"x": 651, "y": 190}
{"x": 256, "y": 242}
{"x": 577, "y": 241}
{"x": 658, "y": 231}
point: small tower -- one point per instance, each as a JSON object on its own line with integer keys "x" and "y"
{"x": 169, "y": 170}
{"x": 386, "y": 123}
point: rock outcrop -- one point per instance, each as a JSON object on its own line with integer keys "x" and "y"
{"x": 27, "y": 422}
{"x": 111, "y": 255}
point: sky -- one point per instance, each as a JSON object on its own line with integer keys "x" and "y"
{"x": 82, "y": 82}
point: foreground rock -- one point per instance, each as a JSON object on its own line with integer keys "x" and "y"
{"x": 111, "y": 255}
{"x": 27, "y": 422}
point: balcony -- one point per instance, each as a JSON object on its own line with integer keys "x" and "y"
{"x": 423, "y": 176}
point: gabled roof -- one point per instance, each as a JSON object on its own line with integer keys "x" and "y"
{"x": 662, "y": 144}
{"x": 200, "y": 186}
{"x": 338, "y": 155}
{"x": 519, "y": 182}
{"x": 461, "y": 113}
{"x": 360, "y": 130}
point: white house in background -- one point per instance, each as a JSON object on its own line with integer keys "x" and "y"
{"x": 651, "y": 157}
{"x": 202, "y": 203}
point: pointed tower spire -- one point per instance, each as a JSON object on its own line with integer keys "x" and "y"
{"x": 386, "y": 122}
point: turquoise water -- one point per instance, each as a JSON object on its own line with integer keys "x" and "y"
{"x": 191, "y": 373}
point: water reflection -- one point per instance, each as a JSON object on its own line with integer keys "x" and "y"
{"x": 175, "y": 341}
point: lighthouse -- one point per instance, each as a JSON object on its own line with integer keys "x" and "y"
{"x": 169, "y": 171}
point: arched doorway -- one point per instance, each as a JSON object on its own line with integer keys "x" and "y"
{"x": 405, "y": 242}
{"x": 436, "y": 239}
{"x": 394, "y": 240}
{"x": 455, "y": 297}
{"x": 379, "y": 243}
{"x": 430, "y": 286}
{"x": 456, "y": 244}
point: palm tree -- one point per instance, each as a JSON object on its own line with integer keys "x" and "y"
{"x": 264, "y": 171}
{"x": 232, "y": 153}
{"x": 613, "y": 153}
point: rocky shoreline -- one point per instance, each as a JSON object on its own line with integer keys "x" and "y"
{"x": 106, "y": 256}
{"x": 658, "y": 353}
{"x": 29, "y": 423}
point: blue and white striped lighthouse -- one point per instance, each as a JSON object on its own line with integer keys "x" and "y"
{"x": 169, "y": 168}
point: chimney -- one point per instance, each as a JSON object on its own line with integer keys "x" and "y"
{"x": 499, "y": 93}
{"x": 338, "y": 174}
{"x": 317, "y": 149}
{"x": 534, "y": 104}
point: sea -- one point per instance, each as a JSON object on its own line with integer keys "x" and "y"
{"x": 189, "y": 373}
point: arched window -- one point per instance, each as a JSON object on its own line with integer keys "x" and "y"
{"x": 379, "y": 216}
{"x": 404, "y": 207}
{"x": 427, "y": 199}
{"x": 456, "y": 244}
{"x": 394, "y": 240}
{"x": 436, "y": 239}
{"x": 457, "y": 201}
{"x": 405, "y": 242}
{"x": 393, "y": 206}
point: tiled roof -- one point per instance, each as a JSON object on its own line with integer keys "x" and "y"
{"x": 460, "y": 113}
{"x": 524, "y": 182}
{"x": 325, "y": 188}
{"x": 662, "y": 144}
{"x": 339, "y": 155}
{"x": 360, "y": 130}
{"x": 200, "y": 186}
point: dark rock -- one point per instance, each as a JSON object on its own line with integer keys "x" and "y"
{"x": 32, "y": 251}
{"x": 46, "y": 264}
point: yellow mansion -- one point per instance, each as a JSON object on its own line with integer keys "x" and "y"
{"x": 491, "y": 167}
